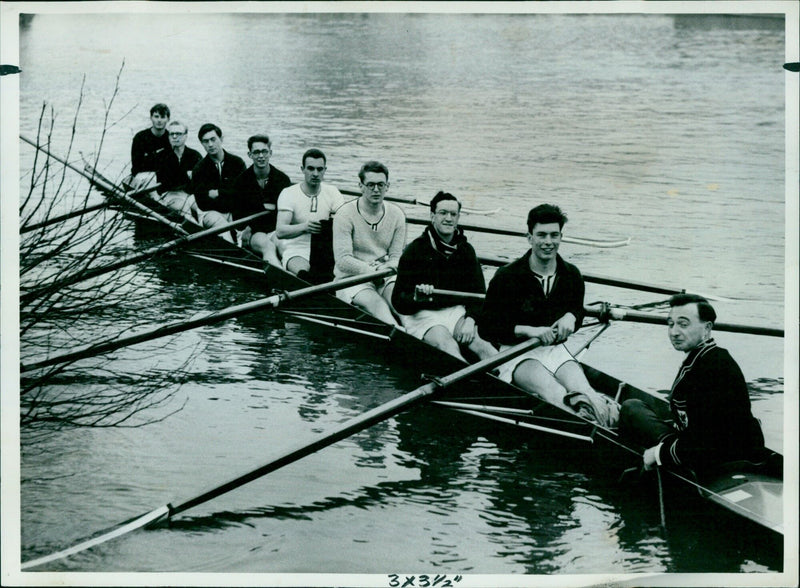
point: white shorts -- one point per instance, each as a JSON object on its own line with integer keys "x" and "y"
{"x": 551, "y": 357}
{"x": 303, "y": 251}
{"x": 347, "y": 294}
{"x": 421, "y": 322}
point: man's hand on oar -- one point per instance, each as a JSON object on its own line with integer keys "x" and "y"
{"x": 204, "y": 319}
{"x": 372, "y": 417}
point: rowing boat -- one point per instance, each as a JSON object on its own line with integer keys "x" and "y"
{"x": 751, "y": 491}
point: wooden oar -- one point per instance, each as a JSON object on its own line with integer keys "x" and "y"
{"x": 204, "y": 319}
{"x": 426, "y": 203}
{"x": 610, "y": 281}
{"x": 111, "y": 190}
{"x": 605, "y": 243}
{"x": 624, "y": 314}
{"x": 134, "y": 258}
{"x": 369, "y": 418}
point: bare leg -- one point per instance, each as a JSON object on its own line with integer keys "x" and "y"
{"x": 262, "y": 243}
{"x": 212, "y": 219}
{"x": 375, "y": 304}
{"x": 440, "y": 337}
{"x": 483, "y": 349}
{"x": 532, "y": 376}
{"x": 297, "y": 264}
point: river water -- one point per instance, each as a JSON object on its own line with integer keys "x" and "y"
{"x": 666, "y": 129}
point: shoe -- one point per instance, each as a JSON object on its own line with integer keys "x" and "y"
{"x": 582, "y": 405}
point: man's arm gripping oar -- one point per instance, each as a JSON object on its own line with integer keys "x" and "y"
{"x": 374, "y": 416}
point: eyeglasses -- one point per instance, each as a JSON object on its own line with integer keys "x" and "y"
{"x": 176, "y": 134}
{"x": 260, "y": 152}
{"x": 447, "y": 213}
{"x": 381, "y": 186}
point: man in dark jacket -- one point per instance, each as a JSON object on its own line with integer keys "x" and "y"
{"x": 175, "y": 167}
{"x": 541, "y": 296}
{"x": 256, "y": 190}
{"x": 148, "y": 145}
{"x": 710, "y": 405}
{"x": 216, "y": 170}
{"x": 441, "y": 259}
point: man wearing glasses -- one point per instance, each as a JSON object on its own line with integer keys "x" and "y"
{"x": 175, "y": 168}
{"x": 442, "y": 259}
{"x": 255, "y": 190}
{"x": 368, "y": 236}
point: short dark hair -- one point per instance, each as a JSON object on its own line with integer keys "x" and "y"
{"x": 546, "y": 213}
{"x": 313, "y": 154}
{"x": 208, "y": 127}
{"x": 258, "y": 139}
{"x": 374, "y": 167}
{"x": 161, "y": 109}
{"x": 705, "y": 311}
{"x": 440, "y": 195}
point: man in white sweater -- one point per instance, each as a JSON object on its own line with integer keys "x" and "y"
{"x": 369, "y": 235}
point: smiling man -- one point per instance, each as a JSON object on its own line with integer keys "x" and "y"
{"x": 441, "y": 259}
{"x": 709, "y": 401}
{"x": 541, "y": 296}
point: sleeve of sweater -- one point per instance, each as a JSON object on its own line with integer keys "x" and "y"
{"x": 474, "y": 282}
{"x": 500, "y": 309}
{"x": 399, "y": 236}
{"x": 576, "y": 296}
{"x": 408, "y": 277}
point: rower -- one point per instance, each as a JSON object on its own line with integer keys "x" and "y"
{"x": 541, "y": 296}
{"x": 174, "y": 168}
{"x": 303, "y": 210}
{"x": 369, "y": 235}
{"x": 441, "y": 258}
{"x": 255, "y": 190}
{"x": 710, "y": 405}
{"x": 147, "y": 145}
{"x": 215, "y": 171}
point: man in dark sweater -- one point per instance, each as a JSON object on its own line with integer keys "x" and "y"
{"x": 256, "y": 190}
{"x": 711, "y": 418}
{"x": 147, "y": 146}
{"x": 216, "y": 171}
{"x": 175, "y": 168}
{"x": 541, "y": 296}
{"x": 441, "y": 259}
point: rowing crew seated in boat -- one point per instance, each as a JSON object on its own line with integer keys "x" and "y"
{"x": 369, "y": 235}
{"x": 541, "y": 296}
{"x": 305, "y": 209}
{"x": 711, "y": 418}
{"x": 441, "y": 259}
